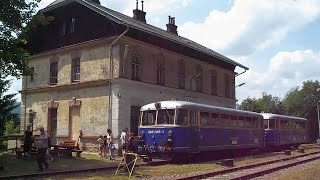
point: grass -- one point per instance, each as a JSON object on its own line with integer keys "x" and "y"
{"x": 146, "y": 172}
{"x": 21, "y": 166}
{"x": 14, "y": 166}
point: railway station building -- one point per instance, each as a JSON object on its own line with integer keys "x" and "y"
{"x": 95, "y": 67}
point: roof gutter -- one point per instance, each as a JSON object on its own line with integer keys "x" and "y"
{"x": 238, "y": 74}
{"x": 111, "y": 76}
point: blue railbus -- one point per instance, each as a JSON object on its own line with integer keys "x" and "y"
{"x": 284, "y": 131}
{"x": 169, "y": 128}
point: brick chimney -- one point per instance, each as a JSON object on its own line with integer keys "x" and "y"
{"x": 96, "y": 1}
{"x": 171, "y": 26}
{"x": 139, "y": 15}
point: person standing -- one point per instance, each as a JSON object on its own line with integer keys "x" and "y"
{"x": 110, "y": 144}
{"x": 79, "y": 142}
{"x": 42, "y": 145}
{"x": 100, "y": 144}
{"x": 124, "y": 140}
{"x": 49, "y": 147}
{"x": 27, "y": 141}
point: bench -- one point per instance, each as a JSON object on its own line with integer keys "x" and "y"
{"x": 287, "y": 152}
{"x": 19, "y": 152}
{"x": 61, "y": 152}
{"x": 226, "y": 162}
{"x": 65, "y": 150}
{"x": 301, "y": 150}
{"x": 69, "y": 143}
{"x": 78, "y": 152}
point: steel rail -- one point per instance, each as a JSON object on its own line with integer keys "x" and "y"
{"x": 235, "y": 169}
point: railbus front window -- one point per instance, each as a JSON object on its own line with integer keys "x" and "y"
{"x": 272, "y": 124}
{"x": 182, "y": 117}
{"x": 165, "y": 116}
{"x": 148, "y": 118}
{"x": 265, "y": 123}
{"x": 205, "y": 118}
{"x": 249, "y": 122}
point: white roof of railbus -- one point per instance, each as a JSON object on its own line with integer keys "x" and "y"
{"x": 190, "y": 105}
{"x": 273, "y": 116}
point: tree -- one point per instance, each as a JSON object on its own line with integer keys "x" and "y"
{"x": 303, "y": 103}
{"x": 14, "y": 16}
{"x": 7, "y": 105}
{"x": 267, "y": 103}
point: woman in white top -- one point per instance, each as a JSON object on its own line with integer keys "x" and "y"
{"x": 110, "y": 144}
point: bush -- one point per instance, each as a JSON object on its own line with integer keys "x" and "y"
{"x": 9, "y": 128}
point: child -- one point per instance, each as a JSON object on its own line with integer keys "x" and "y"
{"x": 110, "y": 144}
{"x": 105, "y": 146}
{"x": 101, "y": 148}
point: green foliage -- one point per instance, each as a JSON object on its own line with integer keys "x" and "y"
{"x": 303, "y": 103}
{"x": 14, "y": 16}
{"x": 267, "y": 103}
{"x": 10, "y": 127}
{"x": 7, "y": 104}
{"x": 300, "y": 101}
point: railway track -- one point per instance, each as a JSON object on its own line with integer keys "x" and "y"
{"x": 255, "y": 170}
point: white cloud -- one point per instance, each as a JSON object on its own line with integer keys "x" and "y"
{"x": 286, "y": 70}
{"x": 251, "y": 25}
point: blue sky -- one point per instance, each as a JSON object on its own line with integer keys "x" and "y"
{"x": 278, "y": 40}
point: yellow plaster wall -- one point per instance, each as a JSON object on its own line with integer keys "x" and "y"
{"x": 93, "y": 110}
{"x": 94, "y": 65}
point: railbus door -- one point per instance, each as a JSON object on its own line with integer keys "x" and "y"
{"x": 194, "y": 131}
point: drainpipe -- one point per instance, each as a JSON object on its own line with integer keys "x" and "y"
{"x": 25, "y": 102}
{"x": 111, "y": 76}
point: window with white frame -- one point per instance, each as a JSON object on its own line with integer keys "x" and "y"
{"x": 136, "y": 67}
{"x": 54, "y": 73}
{"x": 160, "y": 72}
{"x": 198, "y": 78}
{"x": 214, "y": 82}
{"x": 227, "y": 86}
{"x": 75, "y": 70}
{"x": 181, "y": 74}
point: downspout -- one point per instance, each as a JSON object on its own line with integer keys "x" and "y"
{"x": 111, "y": 76}
{"x": 25, "y": 102}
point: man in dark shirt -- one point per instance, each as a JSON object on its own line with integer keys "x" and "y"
{"x": 27, "y": 141}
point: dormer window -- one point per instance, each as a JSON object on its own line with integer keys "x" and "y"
{"x": 72, "y": 22}
{"x": 68, "y": 26}
{"x": 63, "y": 28}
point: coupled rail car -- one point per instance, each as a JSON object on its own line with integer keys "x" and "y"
{"x": 284, "y": 131}
{"x": 171, "y": 128}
